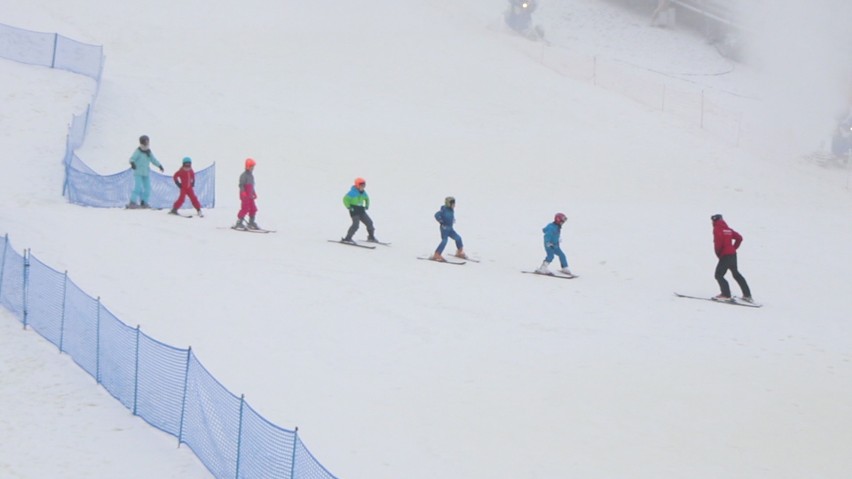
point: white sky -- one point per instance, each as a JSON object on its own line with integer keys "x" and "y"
{"x": 393, "y": 367}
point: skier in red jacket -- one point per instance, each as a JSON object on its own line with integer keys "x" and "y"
{"x": 727, "y": 241}
{"x": 185, "y": 180}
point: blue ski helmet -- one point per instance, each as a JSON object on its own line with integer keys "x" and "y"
{"x": 187, "y": 160}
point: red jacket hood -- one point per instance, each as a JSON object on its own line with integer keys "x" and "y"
{"x": 720, "y": 223}
{"x": 725, "y": 240}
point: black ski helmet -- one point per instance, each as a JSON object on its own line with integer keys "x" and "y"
{"x": 143, "y": 140}
{"x": 716, "y": 217}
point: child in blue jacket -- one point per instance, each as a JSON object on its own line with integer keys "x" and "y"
{"x": 551, "y": 246}
{"x": 446, "y": 217}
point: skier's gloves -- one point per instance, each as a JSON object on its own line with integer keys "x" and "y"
{"x": 133, "y": 165}
{"x": 177, "y": 183}
{"x": 161, "y": 168}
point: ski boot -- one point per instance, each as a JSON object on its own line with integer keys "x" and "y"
{"x": 252, "y": 225}
{"x": 240, "y": 225}
{"x": 461, "y": 254}
{"x": 543, "y": 269}
{"x": 437, "y": 257}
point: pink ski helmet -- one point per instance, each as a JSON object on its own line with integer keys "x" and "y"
{"x": 559, "y": 218}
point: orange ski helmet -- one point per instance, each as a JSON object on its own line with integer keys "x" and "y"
{"x": 360, "y": 181}
{"x": 250, "y": 162}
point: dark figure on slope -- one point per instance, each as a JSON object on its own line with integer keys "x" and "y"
{"x": 726, "y": 241}
{"x": 519, "y": 18}
{"x": 446, "y": 218}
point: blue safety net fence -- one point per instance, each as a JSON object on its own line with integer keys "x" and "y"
{"x": 84, "y": 186}
{"x": 166, "y": 386}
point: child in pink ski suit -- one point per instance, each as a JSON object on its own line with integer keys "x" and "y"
{"x": 247, "y": 197}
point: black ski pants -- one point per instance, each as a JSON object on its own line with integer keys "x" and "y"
{"x": 359, "y": 215}
{"x": 726, "y": 263}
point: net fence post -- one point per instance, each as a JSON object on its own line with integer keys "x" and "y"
{"x": 183, "y": 401}
{"x": 64, "y": 307}
{"x": 136, "y": 373}
{"x": 293, "y": 457}
{"x": 3, "y": 261}
{"x": 65, "y": 165}
{"x": 240, "y": 434}
{"x": 55, "y": 42}
{"x": 98, "y": 343}
{"x": 26, "y": 288}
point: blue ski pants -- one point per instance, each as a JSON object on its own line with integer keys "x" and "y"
{"x": 555, "y": 250}
{"x": 446, "y": 234}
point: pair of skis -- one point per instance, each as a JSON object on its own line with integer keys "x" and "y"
{"x": 370, "y": 245}
{"x": 734, "y": 300}
{"x": 451, "y": 260}
{"x": 252, "y": 230}
{"x": 185, "y": 216}
{"x": 553, "y": 275}
{"x": 245, "y": 230}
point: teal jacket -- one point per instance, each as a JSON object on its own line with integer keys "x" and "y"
{"x": 142, "y": 161}
{"x": 356, "y": 198}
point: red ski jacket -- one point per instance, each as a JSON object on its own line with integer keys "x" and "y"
{"x": 184, "y": 178}
{"x": 725, "y": 240}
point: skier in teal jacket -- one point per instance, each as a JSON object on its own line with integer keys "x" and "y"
{"x": 141, "y": 161}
